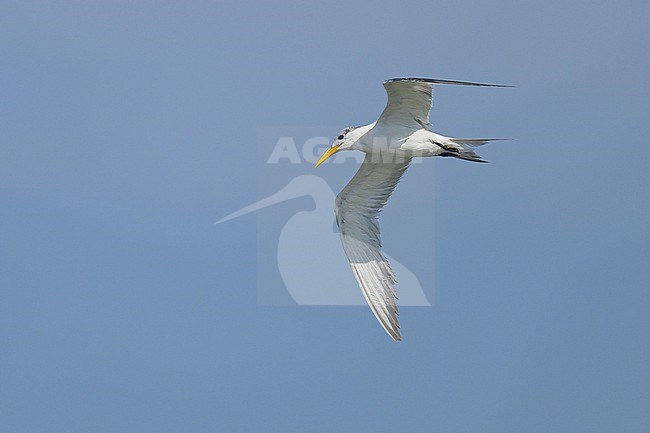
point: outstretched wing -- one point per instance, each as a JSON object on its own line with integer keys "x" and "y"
{"x": 410, "y": 99}
{"x": 357, "y": 211}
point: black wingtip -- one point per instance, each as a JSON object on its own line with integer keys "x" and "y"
{"x": 441, "y": 81}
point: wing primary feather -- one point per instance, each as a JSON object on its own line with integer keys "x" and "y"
{"x": 441, "y": 81}
{"x": 410, "y": 100}
{"x": 357, "y": 210}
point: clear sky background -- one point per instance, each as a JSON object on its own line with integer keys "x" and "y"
{"x": 128, "y": 128}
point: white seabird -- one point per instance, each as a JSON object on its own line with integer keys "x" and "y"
{"x": 402, "y": 132}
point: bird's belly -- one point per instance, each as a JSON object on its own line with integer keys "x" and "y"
{"x": 387, "y": 145}
{"x": 402, "y": 141}
{"x": 421, "y": 149}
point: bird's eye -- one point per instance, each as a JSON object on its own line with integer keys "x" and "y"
{"x": 340, "y": 137}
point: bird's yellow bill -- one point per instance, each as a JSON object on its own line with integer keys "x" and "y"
{"x": 329, "y": 152}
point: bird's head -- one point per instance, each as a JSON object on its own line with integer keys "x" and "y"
{"x": 343, "y": 141}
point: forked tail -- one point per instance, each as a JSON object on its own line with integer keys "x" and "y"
{"x": 463, "y": 148}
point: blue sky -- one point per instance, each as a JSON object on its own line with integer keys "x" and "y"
{"x": 129, "y": 128}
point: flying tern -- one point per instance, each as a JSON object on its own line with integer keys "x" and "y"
{"x": 402, "y": 132}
